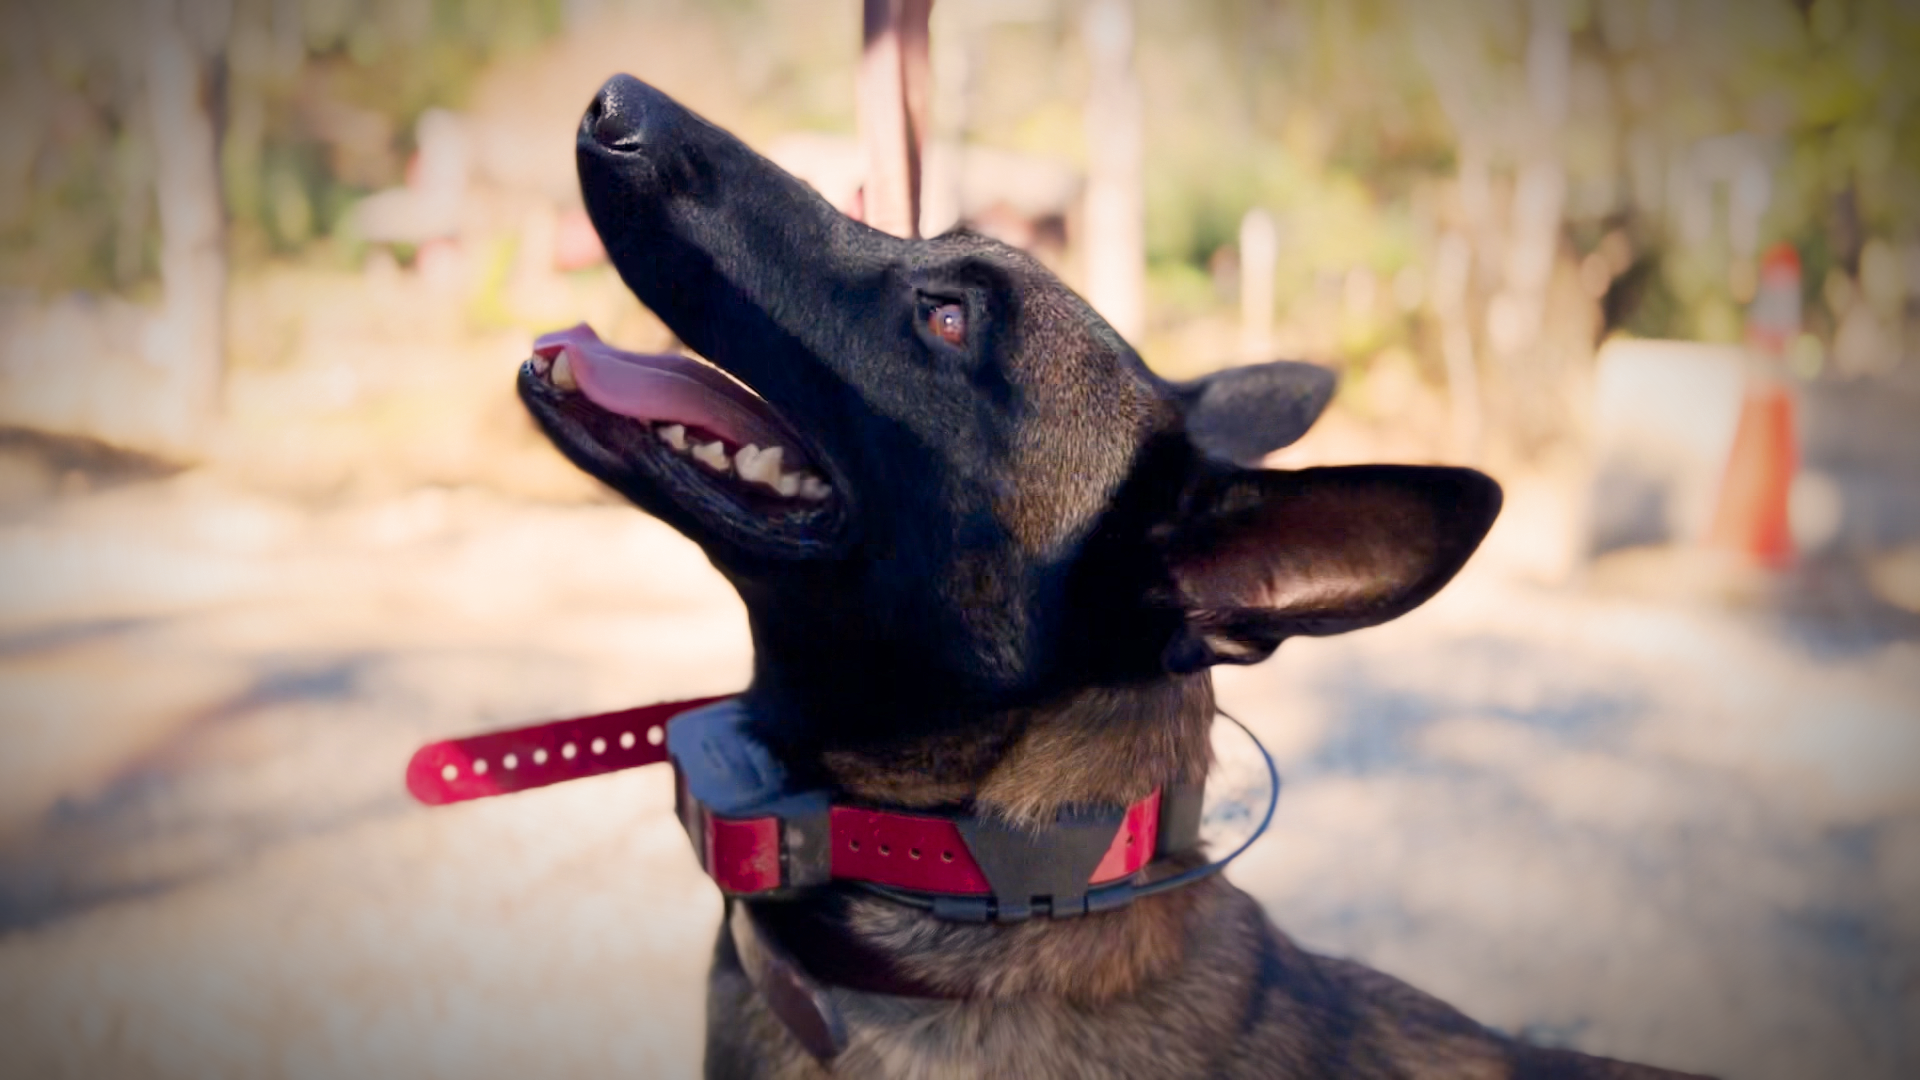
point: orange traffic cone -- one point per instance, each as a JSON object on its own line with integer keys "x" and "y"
{"x": 1751, "y": 518}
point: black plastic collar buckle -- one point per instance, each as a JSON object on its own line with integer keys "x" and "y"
{"x": 1046, "y": 872}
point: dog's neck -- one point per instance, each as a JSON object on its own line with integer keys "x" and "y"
{"x": 1096, "y": 747}
{"x": 1101, "y": 746}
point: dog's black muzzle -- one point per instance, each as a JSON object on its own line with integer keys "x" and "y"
{"x": 638, "y": 142}
{"x": 621, "y": 115}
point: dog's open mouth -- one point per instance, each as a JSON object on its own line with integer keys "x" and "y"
{"x": 706, "y": 437}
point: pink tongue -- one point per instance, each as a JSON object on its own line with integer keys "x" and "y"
{"x": 668, "y": 389}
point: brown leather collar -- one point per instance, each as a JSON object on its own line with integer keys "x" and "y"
{"x": 765, "y": 940}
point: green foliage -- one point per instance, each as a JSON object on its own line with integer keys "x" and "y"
{"x": 318, "y": 101}
{"x": 1346, "y": 119}
{"x": 338, "y": 123}
{"x": 69, "y": 158}
{"x": 1315, "y": 110}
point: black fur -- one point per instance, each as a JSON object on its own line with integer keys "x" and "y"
{"x": 1034, "y": 551}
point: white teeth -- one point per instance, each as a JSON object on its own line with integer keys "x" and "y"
{"x": 713, "y": 455}
{"x": 540, "y": 365}
{"x": 562, "y": 373}
{"x": 760, "y": 466}
{"x": 750, "y": 463}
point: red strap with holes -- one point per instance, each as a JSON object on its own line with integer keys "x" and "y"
{"x": 923, "y": 852}
{"x": 504, "y": 761}
{"x": 928, "y": 854}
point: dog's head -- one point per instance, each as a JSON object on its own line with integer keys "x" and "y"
{"x": 982, "y": 495}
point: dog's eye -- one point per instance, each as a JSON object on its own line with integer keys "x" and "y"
{"x": 949, "y": 323}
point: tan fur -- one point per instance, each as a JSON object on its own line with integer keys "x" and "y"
{"x": 1104, "y": 750}
{"x": 1196, "y": 982}
{"x": 1098, "y": 422}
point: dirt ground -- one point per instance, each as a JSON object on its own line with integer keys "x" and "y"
{"x": 1615, "y": 812}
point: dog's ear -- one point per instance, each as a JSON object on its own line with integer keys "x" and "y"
{"x": 1258, "y": 556}
{"x": 1243, "y": 414}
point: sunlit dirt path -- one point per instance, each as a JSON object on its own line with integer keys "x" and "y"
{"x": 1666, "y": 832}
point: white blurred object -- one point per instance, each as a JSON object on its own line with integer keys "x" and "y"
{"x": 1028, "y": 184}
{"x": 536, "y": 293}
{"x": 1815, "y": 511}
{"x": 833, "y": 165}
{"x": 429, "y": 206}
{"x": 96, "y": 366}
{"x": 1665, "y": 413}
{"x": 1115, "y": 241}
{"x": 1452, "y": 266}
{"x": 1259, "y": 250}
{"x": 1515, "y": 315}
{"x": 185, "y": 338}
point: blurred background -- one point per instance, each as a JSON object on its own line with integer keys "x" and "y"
{"x": 1645, "y": 781}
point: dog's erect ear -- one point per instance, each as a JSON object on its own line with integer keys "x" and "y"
{"x": 1256, "y": 557}
{"x": 1243, "y": 414}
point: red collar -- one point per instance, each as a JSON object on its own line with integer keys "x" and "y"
{"x": 757, "y": 838}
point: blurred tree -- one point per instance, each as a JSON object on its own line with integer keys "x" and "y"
{"x": 313, "y": 103}
{"x": 1654, "y": 145}
{"x": 1609, "y": 165}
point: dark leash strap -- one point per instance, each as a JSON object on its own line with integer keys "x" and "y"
{"x": 803, "y": 1003}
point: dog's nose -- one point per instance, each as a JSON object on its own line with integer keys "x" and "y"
{"x": 618, "y": 117}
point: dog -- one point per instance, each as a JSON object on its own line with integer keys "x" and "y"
{"x": 988, "y": 560}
